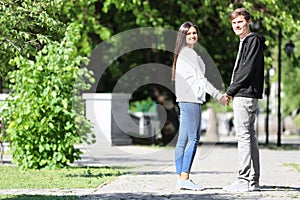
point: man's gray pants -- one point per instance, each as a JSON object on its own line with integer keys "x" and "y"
{"x": 244, "y": 117}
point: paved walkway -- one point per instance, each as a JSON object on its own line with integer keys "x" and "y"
{"x": 152, "y": 176}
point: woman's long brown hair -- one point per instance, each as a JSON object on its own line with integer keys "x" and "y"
{"x": 181, "y": 42}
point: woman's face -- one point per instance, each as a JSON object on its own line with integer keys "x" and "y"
{"x": 191, "y": 37}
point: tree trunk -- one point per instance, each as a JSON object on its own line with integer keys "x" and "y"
{"x": 1, "y": 87}
{"x": 212, "y": 127}
{"x": 167, "y": 114}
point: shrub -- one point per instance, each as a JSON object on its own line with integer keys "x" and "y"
{"x": 44, "y": 114}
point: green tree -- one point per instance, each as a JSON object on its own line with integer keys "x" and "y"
{"x": 291, "y": 80}
{"x": 282, "y": 16}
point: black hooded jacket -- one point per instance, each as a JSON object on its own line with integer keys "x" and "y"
{"x": 248, "y": 77}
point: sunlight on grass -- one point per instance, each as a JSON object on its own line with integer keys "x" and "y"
{"x": 75, "y": 177}
{"x": 283, "y": 147}
{"x": 38, "y": 197}
{"x": 294, "y": 165}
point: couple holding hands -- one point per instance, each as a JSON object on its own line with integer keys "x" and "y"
{"x": 245, "y": 89}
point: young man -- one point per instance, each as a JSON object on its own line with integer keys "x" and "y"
{"x": 246, "y": 88}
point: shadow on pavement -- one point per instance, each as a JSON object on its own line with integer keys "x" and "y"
{"x": 279, "y": 188}
{"x": 172, "y": 172}
{"x": 214, "y": 193}
{"x": 134, "y": 196}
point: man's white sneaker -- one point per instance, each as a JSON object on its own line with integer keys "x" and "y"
{"x": 254, "y": 187}
{"x": 238, "y": 186}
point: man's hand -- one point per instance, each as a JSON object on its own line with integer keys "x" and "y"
{"x": 225, "y": 100}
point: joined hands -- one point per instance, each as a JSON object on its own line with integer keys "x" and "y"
{"x": 225, "y": 100}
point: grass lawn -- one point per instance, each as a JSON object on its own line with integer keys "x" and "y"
{"x": 283, "y": 147}
{"x": 295, "y": 166}
{"x": 75, "y": 177}
{"x": 37, "y": 197}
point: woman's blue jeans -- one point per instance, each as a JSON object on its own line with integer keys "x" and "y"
{"x": 189, "y": 135}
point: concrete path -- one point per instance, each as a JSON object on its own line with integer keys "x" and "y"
{"x": 214, "y": 167}
{"x": 151, "y": 174}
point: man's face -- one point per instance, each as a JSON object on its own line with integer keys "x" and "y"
{"x": 240, "y": 26}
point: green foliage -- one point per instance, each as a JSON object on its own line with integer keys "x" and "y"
{"x": 25, "y": 26}
{"x": 297, "y": 121}
{"x": 291, "y": 80}
{"x": 45, "y": 113}
{"x": 146, "y": 105}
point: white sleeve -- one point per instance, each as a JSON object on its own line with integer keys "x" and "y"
{"x": 208, "y": 87}
{"x": 212, "y": 91}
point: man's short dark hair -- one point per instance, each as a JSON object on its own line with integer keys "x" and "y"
{"x": 238, "y": 12}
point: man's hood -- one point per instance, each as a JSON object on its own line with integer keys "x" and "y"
{"x": 261, "y": 38}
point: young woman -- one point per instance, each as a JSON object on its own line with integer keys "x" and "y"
{"x": 190, "y": 87}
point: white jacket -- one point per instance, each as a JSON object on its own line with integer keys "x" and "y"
{"x": 190, "y": 83}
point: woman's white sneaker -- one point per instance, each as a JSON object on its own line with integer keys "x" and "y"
{"x": 188, "y": 185}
